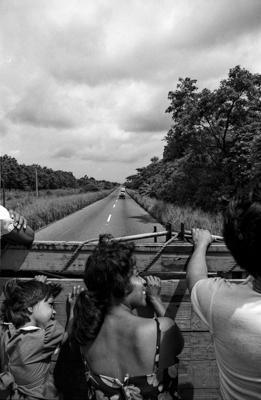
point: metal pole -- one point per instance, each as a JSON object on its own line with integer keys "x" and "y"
{"x": 36, "y": 183}
{"x": 169, "y": 233}
{"x": 3, "y": 191}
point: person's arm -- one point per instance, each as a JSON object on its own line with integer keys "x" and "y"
{"x": 172, "y": 336}
{"x": 21, "y": 233}
{"x": 153, "y": 295}
{"x": 197, "y": 266}
{"x": 71, "y": 299}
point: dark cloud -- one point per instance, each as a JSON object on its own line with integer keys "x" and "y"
{"x": 145, "y": 122}
{"x": 40, "y": 119}
{"x": 124, "y": 154}
{"x": 66, "y": 152}
{"x": 3, "y": 129}
{"x": 217, "y": 23}
{"x": 44, "y": 106}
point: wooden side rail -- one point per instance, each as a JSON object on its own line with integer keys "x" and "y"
{"x": 198, "y": 376}
{"x": 53, "y": 257}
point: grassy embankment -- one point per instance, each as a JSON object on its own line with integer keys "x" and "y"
{"x": 166, "y": 212}
{"x": 51, "y": 205}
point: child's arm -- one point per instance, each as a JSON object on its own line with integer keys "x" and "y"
{"x": 71, "y": 299}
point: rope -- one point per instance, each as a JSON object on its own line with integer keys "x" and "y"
{"x": 76, "y": 252}
{"x": 176, "y": 235}
{"x": 156, "y": 257}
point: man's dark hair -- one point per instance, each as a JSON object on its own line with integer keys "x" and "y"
{"x": 242, "y": 230}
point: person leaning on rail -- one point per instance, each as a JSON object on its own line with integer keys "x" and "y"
{"x": 14, "y": 228}
{"x": 120, "y": 354}
{"x": 232, "y": 311}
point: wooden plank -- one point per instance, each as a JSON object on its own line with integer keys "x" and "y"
{"x": 199, "y": 374}
{"x": 188, "y": 393}
{"x": 54, "y": 256}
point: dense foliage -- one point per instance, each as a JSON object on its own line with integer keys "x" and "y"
{"x": 23, "y": 177}
{"x": 213, "y": 147}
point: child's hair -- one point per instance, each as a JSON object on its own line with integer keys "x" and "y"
{"x": 19, "y": 295}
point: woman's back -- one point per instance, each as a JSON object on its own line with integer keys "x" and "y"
{"x": 126, "y": 345}
{"x": 120, "y": 350}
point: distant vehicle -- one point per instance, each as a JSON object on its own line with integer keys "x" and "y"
{"x": 123, "y": 189}
{"x": 122, "y": 195}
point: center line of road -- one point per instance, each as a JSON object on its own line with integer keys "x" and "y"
{"x": 113, "y": 205}
{"x": 109, "y": 217}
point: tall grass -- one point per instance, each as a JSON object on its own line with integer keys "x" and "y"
{"x": 48, "y": 208}
{"x": 166, "y": 212}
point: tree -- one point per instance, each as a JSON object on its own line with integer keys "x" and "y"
{"x": 216, "y": 131}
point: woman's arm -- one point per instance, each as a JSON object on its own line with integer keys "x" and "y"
{"x": 153, "y": 295}
{"x": 21, "y": 232}
{"x": 173, "y": 341}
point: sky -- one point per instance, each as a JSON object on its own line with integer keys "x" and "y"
{"x": 84, "y": 83}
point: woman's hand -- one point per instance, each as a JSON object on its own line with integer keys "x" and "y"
{"x": 153, "y": 295}
{"x": 153, "y": 287}
{"x": 19, "y": 220}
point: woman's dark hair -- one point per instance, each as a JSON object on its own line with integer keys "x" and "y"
{"x": 242, "y": 229}
{"x": 19, "y": 295}
{"x": 107, "y": 277}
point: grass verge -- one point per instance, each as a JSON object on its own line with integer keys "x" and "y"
{"x": 166, "y": 212}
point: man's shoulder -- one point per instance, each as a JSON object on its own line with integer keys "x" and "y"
{"x": 211, "y": 284}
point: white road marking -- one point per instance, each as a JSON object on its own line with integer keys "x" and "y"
{"x": 114, "y": 205}
{"x": 109, "y": 217}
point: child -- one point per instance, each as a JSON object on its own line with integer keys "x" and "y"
{"x": 29, "y": 336}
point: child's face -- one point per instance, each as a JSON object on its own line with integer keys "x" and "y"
{"x": 43, "y": 312}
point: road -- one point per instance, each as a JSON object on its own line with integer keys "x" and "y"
{"x": 120, "y": 217}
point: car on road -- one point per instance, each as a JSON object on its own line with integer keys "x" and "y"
{"x": 122, "y": 195}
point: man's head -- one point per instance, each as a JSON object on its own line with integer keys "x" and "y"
{"x": 242, "y": 230}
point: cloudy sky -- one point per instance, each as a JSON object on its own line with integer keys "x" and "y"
{"x": 84, "y": 83}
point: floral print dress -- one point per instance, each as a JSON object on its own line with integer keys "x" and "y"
{"x": 160, "y": 385}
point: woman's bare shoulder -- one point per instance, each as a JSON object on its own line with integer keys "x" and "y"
{"x": 166, "y": 323}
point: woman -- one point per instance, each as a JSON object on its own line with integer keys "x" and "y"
{"x": 124, "y": 355}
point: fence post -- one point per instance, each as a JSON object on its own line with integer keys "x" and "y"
{"x": 3, "y": 192}
{"x": 155, "y": 237}
{"x": 182, "y": 231}
{"x": 168, "y": 229}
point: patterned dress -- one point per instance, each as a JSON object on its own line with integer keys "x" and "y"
{"x": 25, "y": 361}
{"x": 160, "y": 385}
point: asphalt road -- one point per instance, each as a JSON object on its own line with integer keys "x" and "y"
{"x": 120, "y": 217}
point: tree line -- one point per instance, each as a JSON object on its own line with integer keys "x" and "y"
{"x": 213, "y": 147}
{"x": 23, "y": 177}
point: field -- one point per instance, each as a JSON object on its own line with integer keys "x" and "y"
{"x": 50, "y": 205}
{"x": 192, "y": 218}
